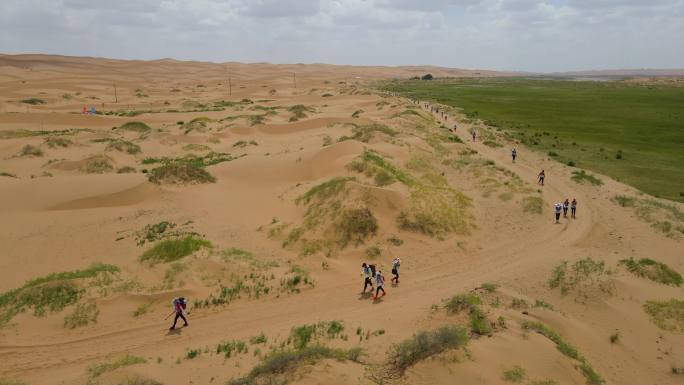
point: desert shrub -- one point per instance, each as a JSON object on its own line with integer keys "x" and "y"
{"x": 667, "y": 315}
{"x": 355, "y": 225}
{"x": 327, "y": 141}
{"x": 374, "y": 251}
{"x": 461, "y": 302}
{"x": 83, "y": 315}
{"x": 135, "y": 126}
{"x": 274, "y": 369}
{"x": 479, "y": 324}
{"x": 8, "y": 174}
{"x": 175, "y": 173}
{"x": 34, "y": 101}
{"x": 532, "y": 204}
{"x": 127, "y": 360}
{"x": 141, "y": 310}
{"x": 367, "y": 132}
{"x": 490, "y": 287}
{"x": 170, "y": 250}
{"x": 126, "y": 170}
{"x": 55, "y": 141}
{"x": 260, "y": 339}
{"x": 653, "y": 270}
{"x": 394, "y": 240}
{"x": 581, "y": 176}
{"x": 615, "y": 337}
{"x": 584, "y": 275}
{"x": 357, "y": 113}
{"x": 230, "y": 347}
{"x": 436, "y": 212}
{"x": 97, "y": 164}
{"x": 372, "y": 164}
{"x": 519, "y": 303}
{"x": 206, "y": 160}
{"x": 424, "y": 345}
{"x": 53, "y": 292}
{"x": 591, "y": 377}
{"x": 299, "y": 111}
{"x": 30, "y": 150}
{"x": 514, "y": 374}
{"x": 123, "y": 146}
{"x": 492, "y": 143}
{"x": 196, "y": 147}
{"x": 624, "y": 200}
{"x": 324, "y": 190}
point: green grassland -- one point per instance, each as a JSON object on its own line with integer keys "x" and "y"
{"x": 631, "y": 132}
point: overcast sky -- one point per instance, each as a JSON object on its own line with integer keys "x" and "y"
{"x": 529, "y": 35}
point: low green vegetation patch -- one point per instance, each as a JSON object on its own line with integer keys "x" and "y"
{"x": 123, "y": 146}
{"x": 34, "y": 101}
{"x": 514, "y": 374}
{"x": 127, "y": 360}
{"x": 584, "y": 276}
{"x": 653, "y": 270}
{"x": 196, "y": 147}
{"x": 374, "y": 165}
{"x": 51, "y": 293}
{"x": 436, "y": 212}
{"x": 424, "y": 345}
{"x": 83, "y": 315}
{"x": 325, "y": 190}
{"x": 532, "y": 204}
{"x": 367, "y": 132}
{"x": 135, "y": 126}
{"x": 299, "y": 111}
{"x": 97, "y": 164}
{"x": 591, "y": 377}
{"x": 206, "y": 160}
{"x": 12, "y": 134}
{"x": 479, "y": 324}
{"x": 664, "y": 217}
{"x": 492, "y": 143}
{"x": 180, "y": 173}
{"x": 667, "y": 315}
{"x": 56, "y": 141}
{"x": 30, "y": 150}
{"x": 356, "y": 224}
{"x": 170, "y": 250}
{"x": 278, "y": 367}
{"x": 581, "y": 176}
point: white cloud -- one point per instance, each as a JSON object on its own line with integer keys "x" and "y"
{"x": 535, "y": 35}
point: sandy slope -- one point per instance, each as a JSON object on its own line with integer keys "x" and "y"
{"x": 72, "y": 219}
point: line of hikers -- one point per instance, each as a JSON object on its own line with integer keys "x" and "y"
{"x": 370, "y": 273}
{"x": 564, "y": 206}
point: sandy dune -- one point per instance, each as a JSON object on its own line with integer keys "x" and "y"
{"x": 61, "y": 213}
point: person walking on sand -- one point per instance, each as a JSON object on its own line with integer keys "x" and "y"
{"x": 557, "y": 209}
{"x": 380, "y": 283}
{"x": 573, "y": 207}
{"x": 514, "y": 153}
{"x": 542, "y": 175}
{"x": 474, "y": 133}
{"x": 367, "y": 274}
{"x": 179, "y": 305}
{"x": 566, "y": 206}
{"x": 396, "y": 263}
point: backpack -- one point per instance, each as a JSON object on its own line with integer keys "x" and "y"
{"x": 397, "y": 262}
{"x": 372, "y": 268}
{"x": 179, "y": 302}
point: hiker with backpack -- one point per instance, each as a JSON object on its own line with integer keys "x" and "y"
{"x": 396, "y": 262}
{"x": 380, "y": 283}
{"x": 573, "y": 207}
{"x": 179, "y": 305}
{"x": 541, "y": 177}
{"x": 514, "y": 154}
{"x": 558, "y": 207}
{"x": 566, "y": 206}
{"x": 368, "y": 274}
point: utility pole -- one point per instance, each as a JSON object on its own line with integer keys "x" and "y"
{"x": 116, "y": 98}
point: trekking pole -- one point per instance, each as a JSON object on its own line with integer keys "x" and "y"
{"x": 167, "y": 317}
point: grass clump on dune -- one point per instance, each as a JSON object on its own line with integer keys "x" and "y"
{"x": 583, "y": 276}
{"x": 514, "y": 374}
{"x": 209, "y": 159}
{"x": 30, "y": 150}
{"x": 175, "y": 173}
{"x": 373, "y": 164}
{"x": 367, "y": 132}
{"x": 97, "y": 164}
{"x": 83, "y": 315}
{"x": 324, "y": 190}
{"x": 277, "y": 368}
{"x": 592, "y": 378}
{"x": 355, "y": 225}
{"x": 170, "y": 250}
{"x": 123, "y": 146}
{"x": 436, "y": 212}
{"x": 653, "y": 270}
{"x": 196, "y": 147}
{"x": 533, "y": 205}
{"x": 581, "y": 176}
{"x": 424, "y": 345}
{"x": 135, "y": 126}
{"x": 55, "y": 141}
{"x": 479, "y": 324}
{"x": 53, "y": 292}
{"x": 299, "y": 112}
{"x": 34, "y": 101}
{"x": 127, "y": 360}
{"x": 667, "y": 315}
